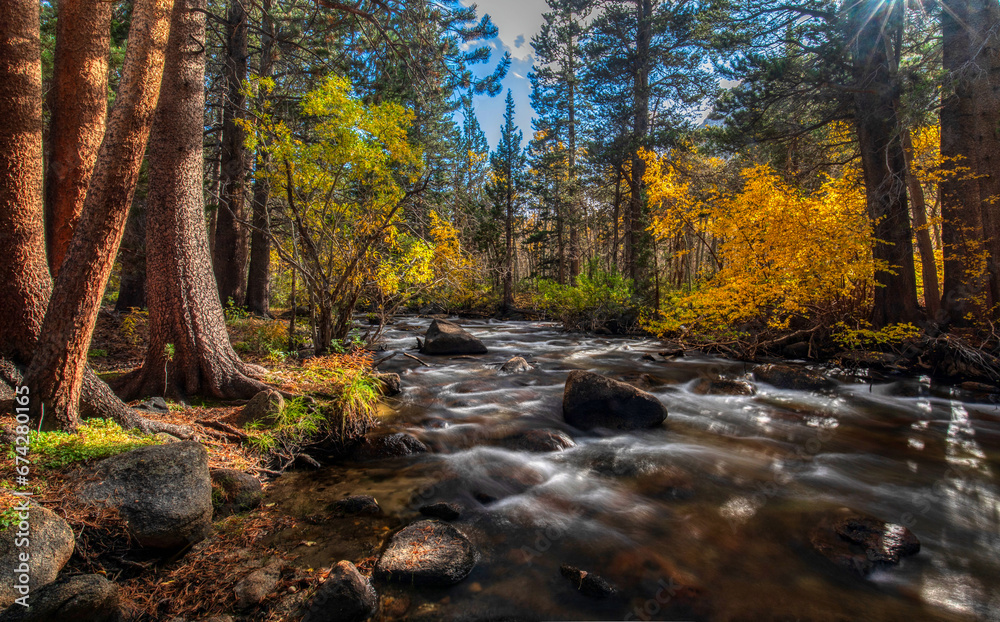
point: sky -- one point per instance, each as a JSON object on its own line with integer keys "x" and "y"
{"x": 517, "y": 21}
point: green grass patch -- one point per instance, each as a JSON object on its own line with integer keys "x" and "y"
{"x": 97, "y": 352}
{"x": 95, "y": 439}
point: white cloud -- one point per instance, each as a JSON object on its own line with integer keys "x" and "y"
{"x": 517, "y": 21}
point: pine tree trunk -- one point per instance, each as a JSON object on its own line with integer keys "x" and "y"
{"x": 25, "y": 285}
{"x": 258, "y": 279}
{"x": 876, "y": 101}
{"x": 24, "y": 274}
{"x": 231, "y": 236}
{"x": 79, "y": 108}
{"x": 986, "y": 94}
{"x": 57, "y": 367}
{"x": 961, "y": 219}
{"x": 508, "y": 275}
{"x": 640, "y": 94}
{"x": 928, "y": 265}
{"x": 185, "y": 315}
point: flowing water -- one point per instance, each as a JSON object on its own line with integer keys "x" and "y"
{"x": 707, "y": 517}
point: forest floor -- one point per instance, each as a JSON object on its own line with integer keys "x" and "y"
{"x": 188, "y": 584}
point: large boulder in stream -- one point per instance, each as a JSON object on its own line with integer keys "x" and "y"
{"x": 427, "y": 553}
{"x": 444, "y": 337}
{"x": 594, "y": 401}
{"x": 860, "y": 543}
{"x": 164, "y": 492}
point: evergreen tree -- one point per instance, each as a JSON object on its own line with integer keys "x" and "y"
{"x": 505, "y": 188}
{"x": 646, "y": 71}
{"x": 555, "y": 97}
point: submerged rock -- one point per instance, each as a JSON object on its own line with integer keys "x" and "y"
{"x": 792, "y": 377}
{"x": 427, "y": 553}
{"x": 594, "y": 401}
{"x": 515, "y": 365}
{"x": 442, "y": 510}
{"x": 234, "y": 492}
{"x": 345, "y": 596}
{"x": 164, "y": 492}
{"x": 537, "y": 441}
{"x": 860, "y": 543}
{"x": 444, "y": 337}
{"x": 724, "y": 386}
{"x": 51, "y": 545}
{"x": 382, "y": 446}
{"x": 83, "y": 598}
{"x": 356, "y": 505}
{"x": 588, "y": 583}
{"x": 389, "y": 384}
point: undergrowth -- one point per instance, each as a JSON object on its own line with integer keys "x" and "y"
{"x": 94, "y": 439}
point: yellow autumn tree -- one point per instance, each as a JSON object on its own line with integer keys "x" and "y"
{"x": 345, "y": 172}
{"x": 779, "y": 252}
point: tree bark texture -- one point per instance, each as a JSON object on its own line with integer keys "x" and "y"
{"x": 258, "y": 298}
{"x": 231, "y": 235}
{"x": 962, "y": 227}
{"x": 25, "y": 284}
{"x": 57, "y": 367}
{"x": 876, "y": 100}
{"x": 928, "y": 265}
{"x": 79, "y": 108}
{"x": 985, "y": 20}
{"x": 189, "y": 350}
{"x": 24, "y": 274}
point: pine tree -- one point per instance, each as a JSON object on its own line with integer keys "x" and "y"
{"x": 645, "y": 73}
{"x": 555, "y": 97}
{"x": 505, "y": 188}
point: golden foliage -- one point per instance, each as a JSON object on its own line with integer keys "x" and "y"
{"x": 778, "y": 252}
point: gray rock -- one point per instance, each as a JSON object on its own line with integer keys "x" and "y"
{"x": 50, "y": 544}
{"x": 444, "y": 337}
{"x": 792, "y": 377}
{"x": 860, "y": 543}
{"x": 262, "y": 408}
{"x": 382, "y": 446}
{"x": 390, "y": 384}
{"x": 537, "y": 441}
{"x": 234, "y": 492}
{"x": 164, "y": 492}
{"x": 515, "y": 365}
{"x": 346, "y": 596}
{"x": 253, "y": 589}
{"x": 724, "y": 386}
{"x": 594, "y": 401}
{"x": 427, "y": 553}
{"x": 442, "y": 510}
{"x": 154, "y": 405}
{"x": 355, "y": 505}
{"x": 83, "y": 598}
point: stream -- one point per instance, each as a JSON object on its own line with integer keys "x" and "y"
{"x": 704, "y": 518}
